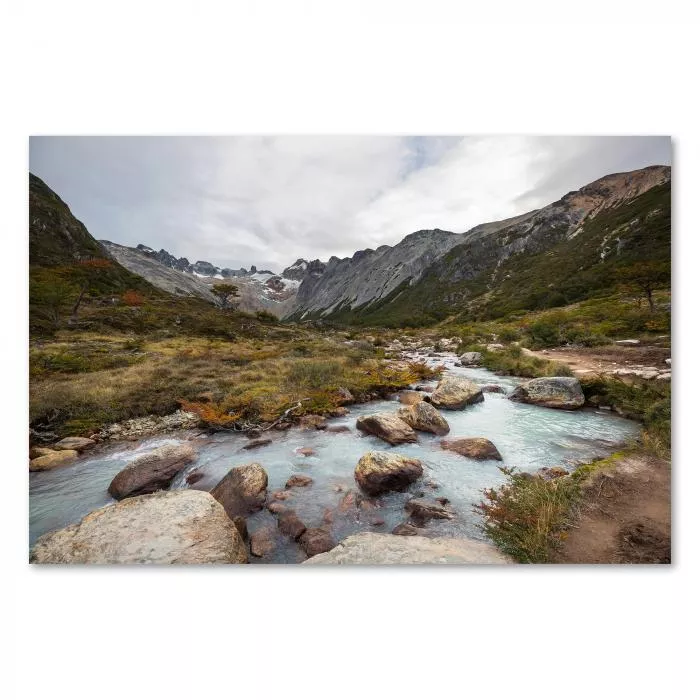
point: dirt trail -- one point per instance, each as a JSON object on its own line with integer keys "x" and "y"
{"x": 608, "y": 358}
{"x": 625, "y": 516}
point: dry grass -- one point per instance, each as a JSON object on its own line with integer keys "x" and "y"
{"x": 253, "y": 380}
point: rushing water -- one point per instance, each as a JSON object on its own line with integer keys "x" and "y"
{"x": 528, "y": 437}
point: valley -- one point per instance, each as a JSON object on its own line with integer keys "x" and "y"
{"x": 341, "y": 374}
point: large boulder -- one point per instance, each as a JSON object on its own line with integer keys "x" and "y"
{"x": 375, "y": 548}
{"x": 151, "y": 472}
{"x": 170, "y": 527}
{"x": 52, "y": 459}
{"x": 424, "y": 417}
{"x": 474, "y": 448}
{"x": 471, "y": 359}
{"x": 455, "y": 393}
{"x": 74, "y": 443}
{"x": 551, "y": 392}
{"x": 379, "y": 472}
{"x": 242, "y": 491}
{"x": 388, "y": 427}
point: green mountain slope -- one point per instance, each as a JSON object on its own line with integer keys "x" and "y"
{"x": 548, "y": 260}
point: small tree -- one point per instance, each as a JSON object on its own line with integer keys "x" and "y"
{"x": 227, "y": 295}
{"x": 133, "y": 298}
{"x": 645, "y": 278}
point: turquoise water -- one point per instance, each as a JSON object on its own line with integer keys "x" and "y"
{"x": 528, "y": 437}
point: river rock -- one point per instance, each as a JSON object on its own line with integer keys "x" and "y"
{"x": 298, "y": 480}
{"x": 379, "y": 472}
{"x": 51, "y": 460}
{"x": 493, "y": 389}
{"x": 405, "y": 529}
{"x": 74, "y": 443}
{"x": 471, "y": 359}
{"x": 425, "y": 509}
{"x": 338, "y": 429}
{"x": 551, "y": 392}
{"x": 424, "y": 417}
{"x": 474, "y": 448}
{"x": 194, "y": 477}
{"x": 410, "y": 397}
{"x": 344, "y": 396}
{"x": 305, "y": 451}
{"x": 290, "y": 524}
{"x": 388, "y": 427}
{"x": 169, "y": 527}
{"x": 316, "y": 540}
{"x": 376, "y": 548}
{"x": 151, "y": 472}
{"x": 243, "y": 490}
{"x": 263, "y": 541}
{"x": 313, "y": 422}
{"x": 260, "y": 442}
{"x": 276, "y": 507}
{"x": 35, "y": 452}
{"x": 455, "y": 393}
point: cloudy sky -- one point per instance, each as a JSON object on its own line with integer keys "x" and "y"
{"x": 268, "y": 200}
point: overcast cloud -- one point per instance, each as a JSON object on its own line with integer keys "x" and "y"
{"x": 268, "y": 200}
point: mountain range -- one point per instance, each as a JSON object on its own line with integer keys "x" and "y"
{"x": 559, "y": 254}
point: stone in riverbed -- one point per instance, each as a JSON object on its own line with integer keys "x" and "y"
{"x": 550, "y": 392}
{"x": 152, "y": 471}
{"x": 316, "y": 540}
{"x": 243, "y": 490}
{"x": 379, "y": 472}
{"x": 169, "y": 527}
{"x": 74, "y": 443}
{"x": 298, "y": 480}
{"x": 388, "y": 427}
{"x": 549, "y": 473}
{"x": 474, "y": 448}
{"x": 35, "y": 452}
{"x": 276, "y": 507}
{"x": 405, "y": 529}
{"x": 261, "y": 442}
{"x": 305, "y": 451}
{"x": 338, "y": 429}
{"x": 493, "y": 389}
{"x": 290, "y": 524}
{"x": 455, "y": 393}
{"x": 376, "y": 548}
{"x": 424, "y": 417}
{"x": 409, "y": 398}
{"x": 313, "y": 422}
{"x": 425, "y": 509}
{"x": 55, "y": 458}
{"x": 263, "y": 541}
{"x": 471, "y": 359}
{"x": 194, "y": 477}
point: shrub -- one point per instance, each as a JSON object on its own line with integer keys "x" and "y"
{"x": 133, "y": 298}
{"x": 527, "y": 515}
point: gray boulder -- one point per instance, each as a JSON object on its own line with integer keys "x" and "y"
{"x": 74, "y": 443}
{"x": 242, "y": 491}
{"x": 424, "y": 417}
{"x": 170, "y": 527}
{"x": 551, "y": 392}
{"x": 379, "y": 472}
{"x": 454, "y": 393}
{"x": 387, "y": 426}
{"x": 151, "y": 472}
{"x": 375, "y": 548}
{"x": 471, "y": 359}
